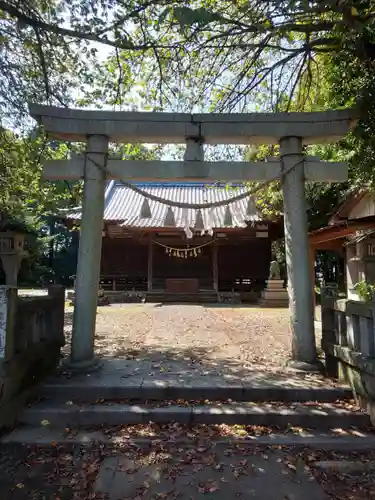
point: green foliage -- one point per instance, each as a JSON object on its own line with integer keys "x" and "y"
{"x": 337, "y": 79}
{"x": 22, "y": 190}
{"x": 200, "y": 17}
{"x": 365, "y": 290}
{"x": 25, "y": 199}
{"x": 214, "y": 54}
{"x": 206, "y": 55}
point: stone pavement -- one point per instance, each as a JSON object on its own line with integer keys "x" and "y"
{"x": 221, "y": 472}
{"x": 151, "y": 372}
{"x": 190, "y": 469}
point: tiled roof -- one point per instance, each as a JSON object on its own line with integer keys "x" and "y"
{"x": 359, "y": 236}
{"x": 352, "y": 198}
{"x": 124, "y": 205}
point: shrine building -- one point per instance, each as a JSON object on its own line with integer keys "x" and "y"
{"x": 157, "y": 252}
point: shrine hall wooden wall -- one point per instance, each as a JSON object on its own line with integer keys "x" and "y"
{"x": 123, "y": 257}
{"x": 247, "y": 259}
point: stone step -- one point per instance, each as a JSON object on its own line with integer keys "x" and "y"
{"x": 274, "y": 303}
{"x": 349, "y": 440}
{"x": 322, "y": 416}
{"x": 179, "y": 298}
{"x": 90, "y": 389}
{"x": 331, "y": 439}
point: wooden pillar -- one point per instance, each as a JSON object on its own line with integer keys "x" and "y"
{"x": 215, "y": 270}
{"x": 149, "y": 264}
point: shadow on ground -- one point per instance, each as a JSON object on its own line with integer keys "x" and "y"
{"x": 195, "y": 367}
{"x": 229, "y": 360}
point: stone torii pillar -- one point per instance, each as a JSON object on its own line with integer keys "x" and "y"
{"x": 89, "y": 254}
{"x": 297, "y": 255}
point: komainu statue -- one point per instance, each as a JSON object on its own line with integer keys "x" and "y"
{"x": 274, "y": 270}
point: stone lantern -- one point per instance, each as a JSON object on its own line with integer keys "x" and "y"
{"x": 12, "y": 253}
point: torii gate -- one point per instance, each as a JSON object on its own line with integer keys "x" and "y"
{"x": 290, "y": 130}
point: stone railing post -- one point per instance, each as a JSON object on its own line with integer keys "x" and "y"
{"x": 58, "y": 292}
{"x": 371, "y": 342}
{"x": 328, "y": 296}
{"x": 366, "y": 336}
{"x": 8, "y": 311}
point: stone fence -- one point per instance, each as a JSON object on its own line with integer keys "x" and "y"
{"x": 348, "y": 341}
{"x": 31, "y": 337}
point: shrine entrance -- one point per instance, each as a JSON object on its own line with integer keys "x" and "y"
{"x": 292, "y": 131}
{"x": 176, "y": 272}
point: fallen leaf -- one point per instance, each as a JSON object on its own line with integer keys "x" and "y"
{"x": 213, "y": 488}
{"x": 209, "y": 487}
{"x": 91, "y": 469}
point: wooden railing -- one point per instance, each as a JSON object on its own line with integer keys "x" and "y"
{"x": 123, "y": 283}
{"x": 128, "y": 283}
{"x": 242, "y": 285}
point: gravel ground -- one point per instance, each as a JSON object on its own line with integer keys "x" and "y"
{"x": 221, "y": 339}
{"x": 245, "y": 334}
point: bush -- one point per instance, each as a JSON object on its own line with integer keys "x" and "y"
{"x": 365, "y": 290}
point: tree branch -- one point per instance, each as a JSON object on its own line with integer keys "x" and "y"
{"x": 42, "y": 63}
{"x": 81, "y": 35}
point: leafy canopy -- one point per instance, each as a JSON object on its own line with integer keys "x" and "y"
{"x": 221, "y": 55}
